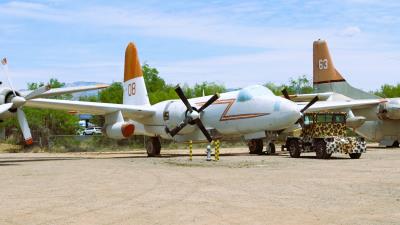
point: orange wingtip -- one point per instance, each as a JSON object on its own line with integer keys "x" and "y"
{"x": 29, "y": 141}
{"x": 132, "y": 69}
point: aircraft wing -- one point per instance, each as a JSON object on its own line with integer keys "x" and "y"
{"x": 337, "y": 105}
{"x": 95, "y": 108}
{"x": 66, "y": 90}
{"x": 308, "y": 97}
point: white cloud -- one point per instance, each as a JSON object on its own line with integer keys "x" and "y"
{"x": 350, "y": 31}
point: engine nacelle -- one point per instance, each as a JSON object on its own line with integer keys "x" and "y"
{"x": 389, "y": 111}
{"x": 119, "y": 130}
{"x": 174, "y": 113}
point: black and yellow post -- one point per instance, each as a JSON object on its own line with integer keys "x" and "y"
{"x": 217, "y": 145}
{"x": 213, "y": 143}
{"x": 190, "y": 150}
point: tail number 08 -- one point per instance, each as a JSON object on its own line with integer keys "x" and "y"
{"x": 132, "y": 89}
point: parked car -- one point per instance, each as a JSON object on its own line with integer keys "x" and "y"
{"x": 92, "y": 131}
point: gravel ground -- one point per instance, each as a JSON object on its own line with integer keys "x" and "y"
{"x": 129, "y": 188}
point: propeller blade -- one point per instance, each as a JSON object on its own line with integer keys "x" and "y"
{"x": 36, "y": 93}
{"x": 182, "y": 96}
{"x": 286, "y": 94}
{"x": 178, "y": 128}
{"x": 5, "y": 107}
{"x": 209, "y": 102}
{"x": 203, "y": 129}
{"x": 312, "y": 102}
{"x": 23, "y": 123}
{"x": 4, "y": 62}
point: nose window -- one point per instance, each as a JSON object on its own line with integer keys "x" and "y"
{"x": 277, "y": 106}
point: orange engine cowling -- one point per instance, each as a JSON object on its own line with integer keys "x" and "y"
{"x": 119, "y": 130}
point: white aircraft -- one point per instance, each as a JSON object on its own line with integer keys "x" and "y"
{"x": 381, "y": 122}
{"x": 253, "y": 112}
{"x": 12, "y": 101}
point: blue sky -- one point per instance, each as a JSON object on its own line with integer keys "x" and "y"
{"x": 236, "y": 43}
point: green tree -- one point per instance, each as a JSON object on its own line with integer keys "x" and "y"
{"x": 112, "y": 94}
{"x": 388, "y": 91}
{"x": 299, "y": 85}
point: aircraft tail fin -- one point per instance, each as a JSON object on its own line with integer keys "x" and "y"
{"x": 327, "y": 79}
{"x": 135, "y": 92}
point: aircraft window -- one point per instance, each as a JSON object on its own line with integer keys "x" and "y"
{"x": 249, "y": 92}
{"x": 321, "y": 118}
{"x": 308, "y": 120}
{"x": 329, "y": 118}
{"x": 340, "y": 119}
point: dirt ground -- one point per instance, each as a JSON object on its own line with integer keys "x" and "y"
{"x": 129, "y": 188}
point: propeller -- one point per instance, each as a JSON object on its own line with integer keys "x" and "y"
{"x": 192, "y": 115}
{"x": 312, "y": 102}
{"x": 286, "y": 94}
{"x": 17, "y": 102}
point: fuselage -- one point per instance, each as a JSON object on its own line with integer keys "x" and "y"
{"x": 249, "y": 110}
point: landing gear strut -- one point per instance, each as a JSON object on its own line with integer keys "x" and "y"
{"x": 153, "y": 146}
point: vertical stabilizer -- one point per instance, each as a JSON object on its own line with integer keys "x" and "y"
{"x": 327, "y": 79}
{"x": 135, "y": 92}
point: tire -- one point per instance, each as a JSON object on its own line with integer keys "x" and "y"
{"x": 84, "y": 133}
{"x": 272, "y": 148}
{"x": 256, "y": 146}
{"x": 320, "y": 150}
{"x": 293, "y": 147}
{"x": 395, "y": 144}
{"x": 355, "y": 155}
{"x": 153, "y": 147}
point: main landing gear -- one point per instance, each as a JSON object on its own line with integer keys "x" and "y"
{"x": 153, "y": 146}
{"x": 256, "y": 146}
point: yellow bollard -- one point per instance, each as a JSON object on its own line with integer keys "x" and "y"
{"x": 214, "y": 143}
{"x": 217, "y": 150}
{"x": 190, "y": 150}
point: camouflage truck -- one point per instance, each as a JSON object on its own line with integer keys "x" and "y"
{"x": 325, "y": 133}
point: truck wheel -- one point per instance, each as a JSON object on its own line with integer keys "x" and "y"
{"x": 153, "y": 147}
{"x": 355, "y": 155}
{"x": 256, "y": 146}
{"x": 320, "y": 150}
{"x": 395, "y": 144}
{"x": 294, "y": 148}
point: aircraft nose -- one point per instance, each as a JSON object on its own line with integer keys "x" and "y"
{"x": 291, "y": 110}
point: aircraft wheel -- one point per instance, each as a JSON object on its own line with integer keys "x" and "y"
{"x": 153, "y": 147}
{"x": 355, "y": 155}
{"x": 256, "y": 146}
{"x": 294, "y": 148}
{"x": 272, "y": 148}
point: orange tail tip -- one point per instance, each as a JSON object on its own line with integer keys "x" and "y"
{"x": 133, "y": 68}
{"x": 29, "y": 141}
{"x": 323, "y": 69}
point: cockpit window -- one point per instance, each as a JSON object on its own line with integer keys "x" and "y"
{"x": 249, "y": 92}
